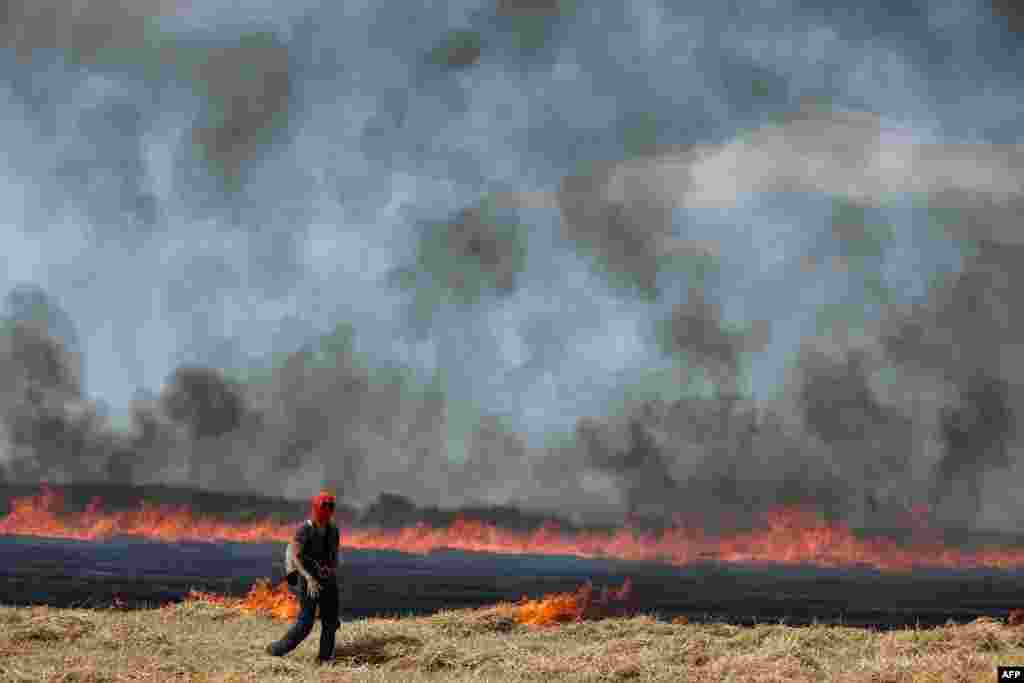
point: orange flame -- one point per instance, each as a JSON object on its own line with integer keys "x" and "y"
{"x": 44, "y": 515}
{"x": 789, "y": 535}
{"x": 263, "y": 599}
{"x": 557, "y": 608}
{"x": 565, "y": 607}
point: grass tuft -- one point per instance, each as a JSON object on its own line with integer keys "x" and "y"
{"x": 499, "y": 619}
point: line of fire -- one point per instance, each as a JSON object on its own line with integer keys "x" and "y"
{"x": 793, "y": 565}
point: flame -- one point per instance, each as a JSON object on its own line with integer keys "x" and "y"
{"x": 558, "y": 608}
{"x": 789, "y": 535}
{"x": 263, "y": 599}
{"x": 44, "y": 515}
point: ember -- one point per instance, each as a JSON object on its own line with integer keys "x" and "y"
{"x": 565, "y": 607}
{"x": 788, "y": 536}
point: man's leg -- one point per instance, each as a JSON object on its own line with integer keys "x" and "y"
{"x": 299, "y": 630}
{"x": 328, "y": 619}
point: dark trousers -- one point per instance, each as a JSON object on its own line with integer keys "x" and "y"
{"x": 327, "y": 601}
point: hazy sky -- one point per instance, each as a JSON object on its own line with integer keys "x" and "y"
{"x": 214, "y": 182}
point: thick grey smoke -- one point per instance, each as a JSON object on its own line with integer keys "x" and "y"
{"x": 46, "y": 421}
{"x": 203, "y": 402}
{"x": 696, "y": 327}
{"x": 249, "y": 85}
{"x": 869, "y": 444}
{"x": 1011, "y": 13}
{"x": 968, "y": 337}
{"x": 50, "y": 430}
{"x": 471, "y": 258}
{"x": 817, "y": 150}
{"x": 627, "y": 231}
{"x": 315, "y": 419}
{"x": 458, "y": 50}
{"x": 849, "y": 449}
{"x": 84, "y": 28}
{"x": 720, "y": 462}
{"x": 528, "y": 7}
{"x": 862, "y": 450}
{"x": 31, "y": 306}
{"x": 600, "y": 260}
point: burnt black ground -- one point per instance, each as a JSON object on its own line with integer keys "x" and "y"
{"x": 138, "y": 572}
{"x": 144, "y": 573}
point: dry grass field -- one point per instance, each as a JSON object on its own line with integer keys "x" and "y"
{"x": 200, "y": 641}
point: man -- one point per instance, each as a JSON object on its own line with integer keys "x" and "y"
{"x": 313, "y": 578}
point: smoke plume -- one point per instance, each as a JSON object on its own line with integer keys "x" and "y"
{"x": 249, "y": 85}
{"x": 82, "y": 28}
{"x": 606, "y": 261}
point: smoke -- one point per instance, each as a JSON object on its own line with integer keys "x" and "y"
{"x": 627, "y": 234}
{"x": 870, "y": 443}
{"x": 641, "y": 466}
{"x": 966, "y": 335}
{"x": 549, "y": 254}
{"x": 458, "y": 50}
{"x": 203, "y": 402}
{"x": 696, "y": 327}
{"x": 475, "y": 256}
{"x": 821, "y": 151}
{"x": 976, "y": 433}
{"x": 1010, "y": 13}
{"x": 82, "y": 28}
{"x": 872, "y": 459}
{"x": 30, "y": 306}
{"x": 49, "y": 429}
{"x": 721, "y": 462}
{"x": 249, "y": 86}
{"x": 528, "y": 7}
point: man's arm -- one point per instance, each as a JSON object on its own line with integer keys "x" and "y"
{"x": 297, "y": 543}
{"x": 297, "y": 560}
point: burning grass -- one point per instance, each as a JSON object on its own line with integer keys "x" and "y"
{"x": 583, "y": 604}
{"x": 786, "y": 536}
{"x": 587, "y": 635}
{"x": 550, "y": 610}
{"x": 206, "y": 640}
{"x": 264, "y": 599}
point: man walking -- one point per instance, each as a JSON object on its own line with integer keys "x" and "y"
{"x": 313, "y": 579}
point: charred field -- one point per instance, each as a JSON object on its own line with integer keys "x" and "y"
{"x": 67, "y": 573}
{"x": 390, "y": 574}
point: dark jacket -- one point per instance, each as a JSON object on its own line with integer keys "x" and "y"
{"x": 318, "y": 551}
